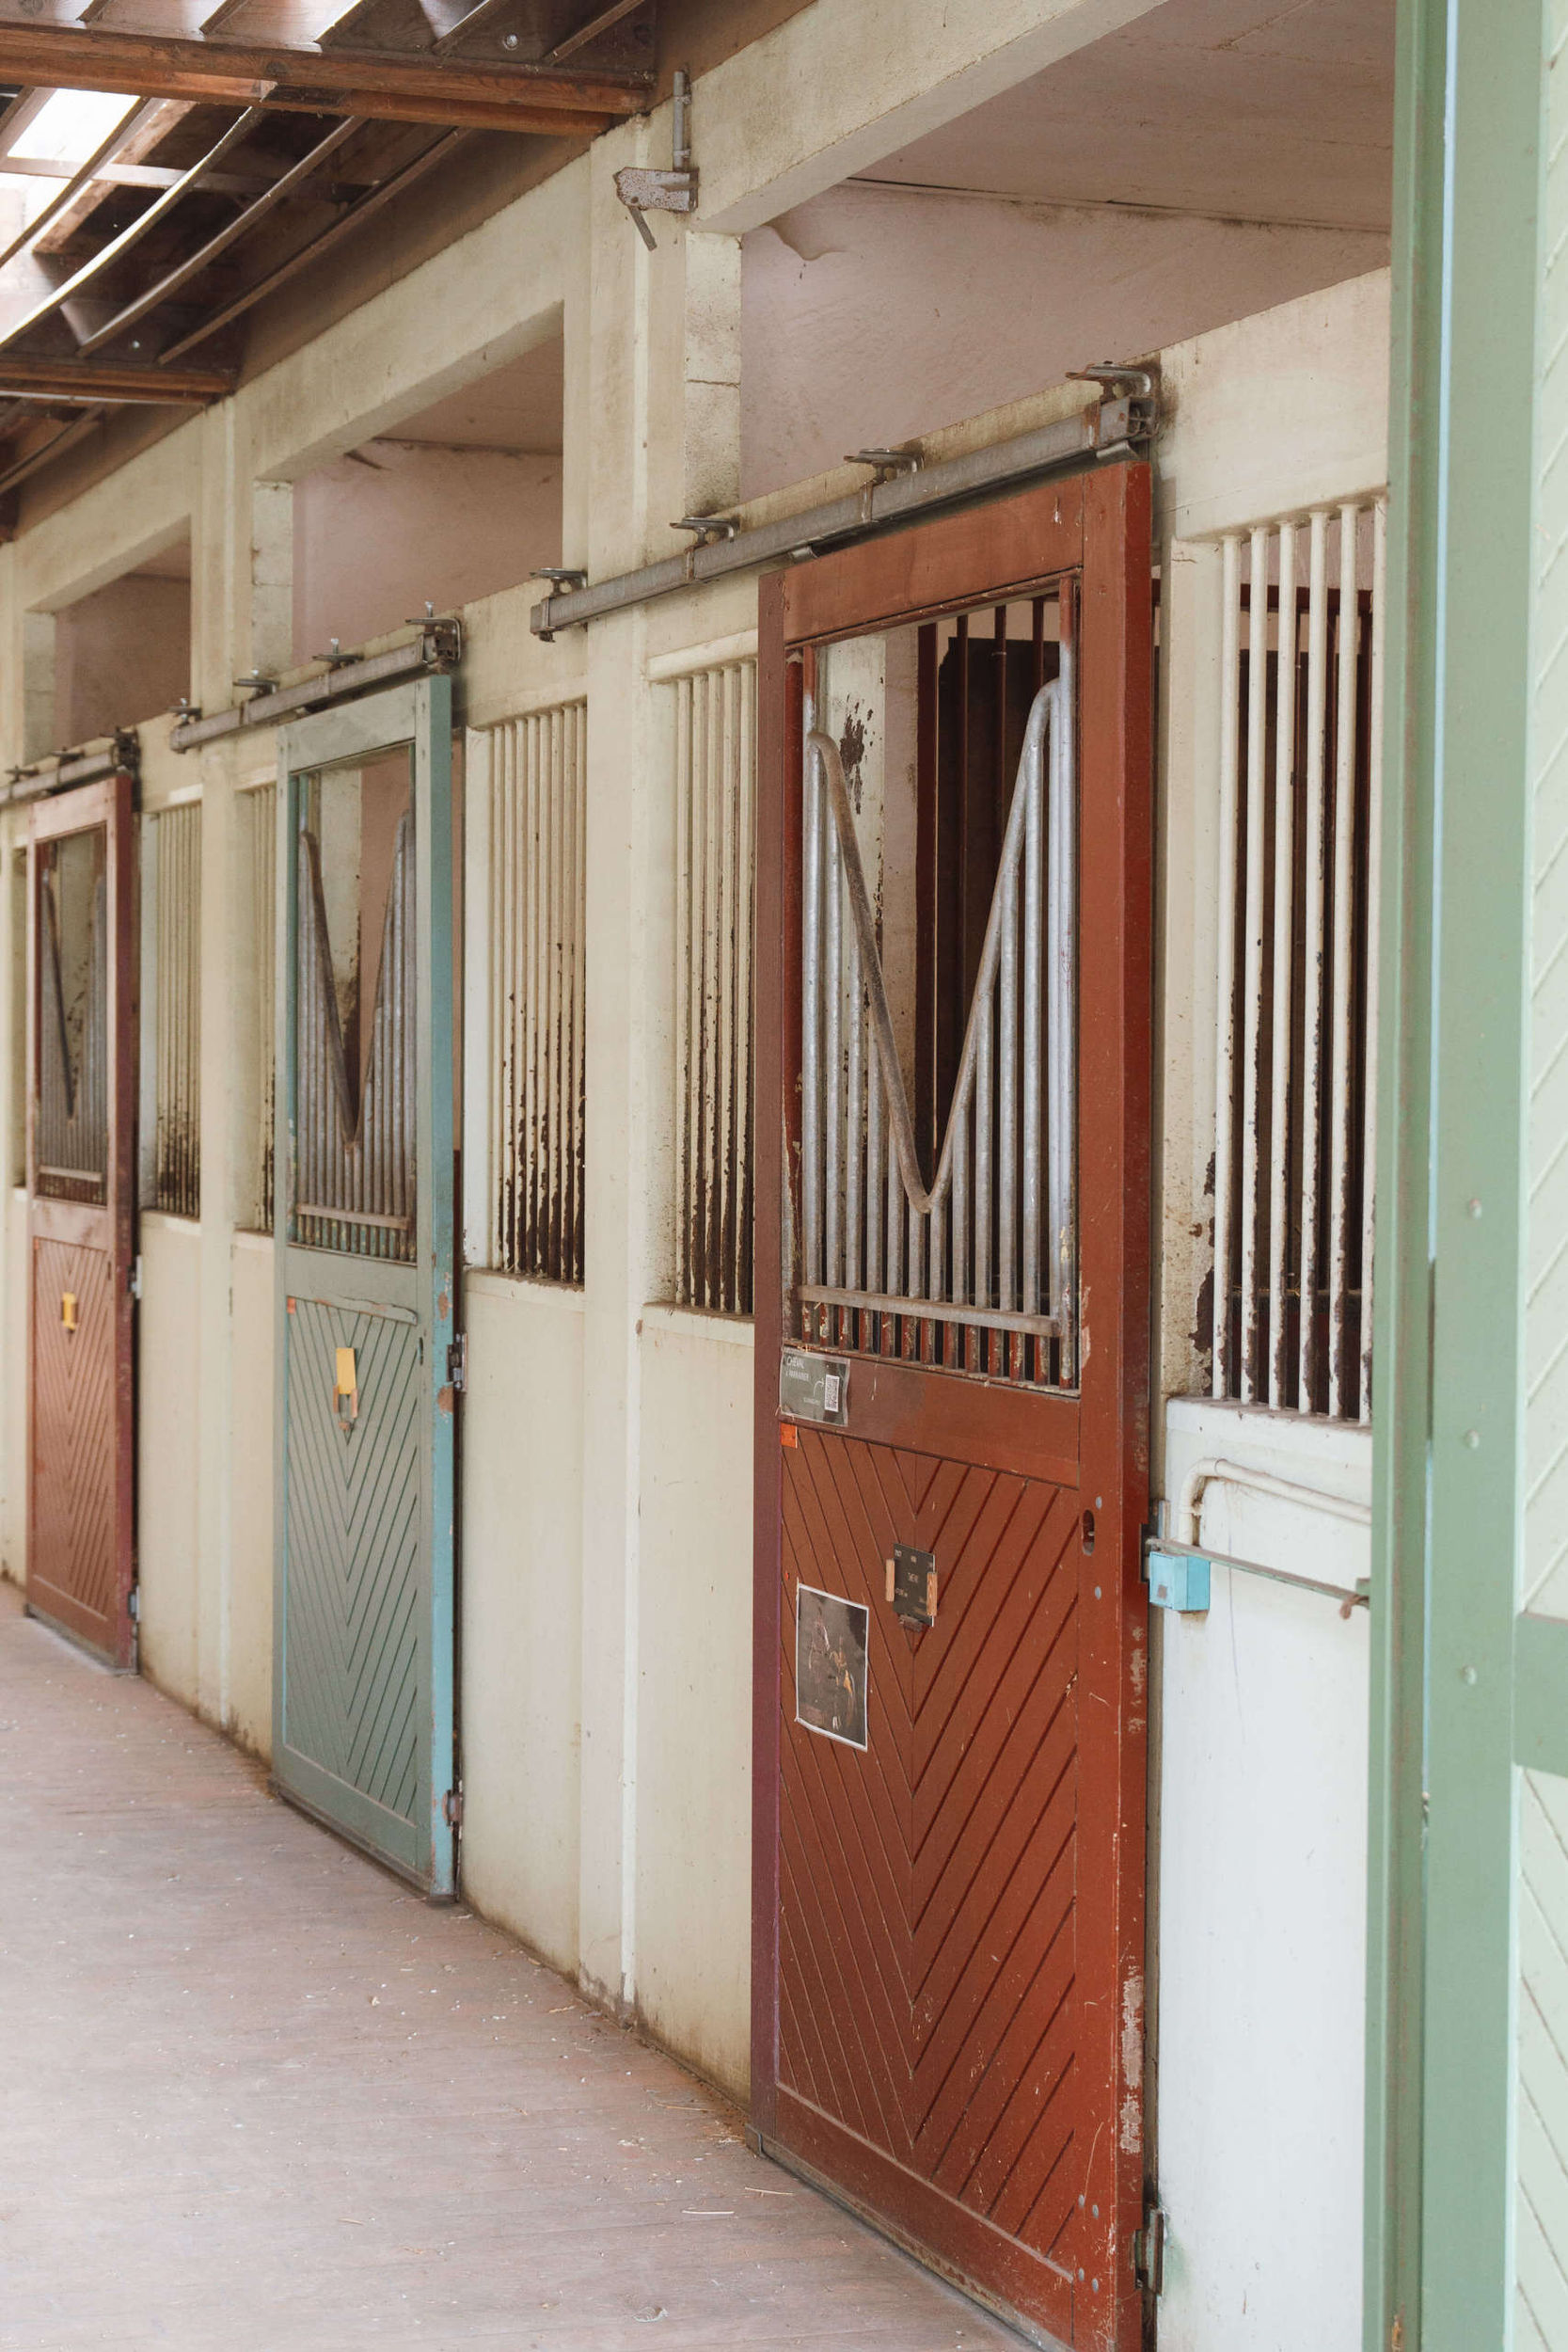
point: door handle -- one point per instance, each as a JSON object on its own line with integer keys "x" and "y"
{"x": 346, "y": 1394}
{"x": 67, "y": 1310}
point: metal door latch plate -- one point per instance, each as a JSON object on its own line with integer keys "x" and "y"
{"x": 912, "y": 1584}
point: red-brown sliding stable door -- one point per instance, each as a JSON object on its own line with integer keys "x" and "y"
{"x": 81, "y": 1093}
{"x": 952, "y": 1390}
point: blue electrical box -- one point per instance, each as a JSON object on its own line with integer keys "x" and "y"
{"x": 1178, "y": 1580}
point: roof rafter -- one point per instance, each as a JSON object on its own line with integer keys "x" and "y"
{"x": 24, "y": 378}
{"x": 445, "y": 92}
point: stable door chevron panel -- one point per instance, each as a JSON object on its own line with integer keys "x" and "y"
{"x": 351, "y": 1661}
{"x": 71, "y": 1563}
{"x": 927, "y": 1976}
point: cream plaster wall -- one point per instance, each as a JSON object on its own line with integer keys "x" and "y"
{"x": 378, "y": 534}
{"x": 168, "y": 1388}
{"x": 121, "y": 655}
{"x": 1262, "y": 1905}
{"x": 694, "y": 1713}
{"x": 1258, "y": 1894}
{"x": 521, "y": 1584}
{"x": 871, "y": 315}
{"x": 248, "y": 1714}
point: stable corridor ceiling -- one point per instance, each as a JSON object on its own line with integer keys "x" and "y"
{"x": 1234, "y": 109}
{"x": 164, "y": 167}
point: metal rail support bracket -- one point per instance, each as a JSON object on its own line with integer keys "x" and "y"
{"x": 1130, "y": 413}
{"x": 643, "y": 191}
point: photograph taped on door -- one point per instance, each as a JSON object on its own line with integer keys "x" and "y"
{"x": 831, "y": 1665}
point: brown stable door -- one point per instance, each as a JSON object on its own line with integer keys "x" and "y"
{"x": 81, "y": 1090}
{"x": 954, "y": 1060}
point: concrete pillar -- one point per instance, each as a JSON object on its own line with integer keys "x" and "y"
{"x": 37, "y": 715}
{"x": 662, "y": 420}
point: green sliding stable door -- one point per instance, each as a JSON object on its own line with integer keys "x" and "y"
{"x": 362, "y": 1687}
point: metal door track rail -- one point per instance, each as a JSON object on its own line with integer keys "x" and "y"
{"x": 1114, "y": 429}
{"x": 119, "y": 754}
{"x": 438, "y": 647}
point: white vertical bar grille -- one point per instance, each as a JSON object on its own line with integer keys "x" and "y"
{"x": 1298, "y": 792}
{"x": 175, "y": 1171}
{"x": 259, "y": 842}
{"x": 537, "y": 868}
{"x": 715, "y": 859}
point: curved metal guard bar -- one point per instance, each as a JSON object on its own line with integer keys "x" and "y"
{"x": 1040, "y": 830}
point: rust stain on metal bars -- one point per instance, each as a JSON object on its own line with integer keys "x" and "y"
{"x": 1286, "y": 1313}
{"x": 715, "y": 801}
{"x": 175, "y": 1175}
{"x": 537, "y": 845}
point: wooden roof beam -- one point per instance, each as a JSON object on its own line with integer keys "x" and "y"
{"x": 23, "y": 377}
{"x": 447, "y": 91}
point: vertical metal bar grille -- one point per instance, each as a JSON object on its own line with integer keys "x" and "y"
{"x": 259, "y": 820}
{"x": 355, "y": 1155}
{"x": 986, "y": 1279}
{"x": 72, "y": 1135}
{"x": 714, "y": 828}
{"x": 538, "y": 819}
{"x": 176, "y": 1102}
{"x": 1298, "y": 772}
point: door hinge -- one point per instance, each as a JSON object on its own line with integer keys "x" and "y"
{"x": 1149, "y": 2250}
{"x": 133, "y": 1604}
{"x": 132, "y": 1276}
{"x": 457, "y": 1362}
{"x": 452, "y": 1807}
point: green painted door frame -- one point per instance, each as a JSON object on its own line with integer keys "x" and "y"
{"x": 1447, "y": 1486}
{"x": 364, "y": 1655}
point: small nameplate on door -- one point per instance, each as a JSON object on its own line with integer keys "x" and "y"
{"x": 912, "y": 1584}
{"x": 67, "y": 1310}
{"x": 831, "y": 1638}
{"x": 815, "y": 1388}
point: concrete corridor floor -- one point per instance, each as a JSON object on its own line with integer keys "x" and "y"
{"x": 257, "y": 2096}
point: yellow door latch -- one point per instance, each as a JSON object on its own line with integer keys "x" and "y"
{"x": 345, "y": 1394}
{"x": 67, "y": 1310}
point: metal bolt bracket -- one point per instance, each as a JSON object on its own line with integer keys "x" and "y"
{"x": 560, "y": 575}
{"x": 1149, "y": 2252}
{"x": 708, "y": 527}
{"x": 886, "y": 464}
{"x": 443, "y": 638}
{"x": 643, "y": 191}
{"x": 335, "y": 659}
{"x": 1130, "y": 414}
{"x": 258, "y": 682}
{"x": 184, "y": 708}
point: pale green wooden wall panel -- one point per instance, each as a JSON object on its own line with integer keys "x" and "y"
{"x": 1541, "y": 2222}
{"x": 1546, "y": 1546}
{"x": 1541, "y": 1893}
